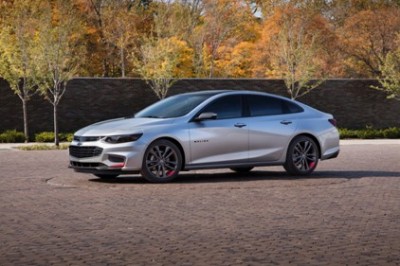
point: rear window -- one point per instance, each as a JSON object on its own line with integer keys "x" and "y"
{"x": 266, "y": 105}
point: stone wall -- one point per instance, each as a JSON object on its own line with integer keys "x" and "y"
{"x": 87, "y": 100}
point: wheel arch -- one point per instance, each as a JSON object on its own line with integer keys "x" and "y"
{"x": 178, "y": 144}
{"x": 315, "y": 139}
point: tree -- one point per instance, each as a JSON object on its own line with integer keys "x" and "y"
{"x": 390, "y": 79}
{"x": 268, "y": 7}
{"x": 17, "y": 62}
{"x": 164, "y": 55}
{"x": 339, "y": 11}
{"x": 120, "y": 28}
{"x": 235, "y": 62}
{"x": 161, "y": 61}
{"x": 292, "y": 41}
{"x": 221, "y": 20}
{"x": 367, "y": 37}
{"x": 175, "y": 18}
{"x": 58, "y": 52}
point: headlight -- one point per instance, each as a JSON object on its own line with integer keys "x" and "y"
{"x": 122, "y": 138}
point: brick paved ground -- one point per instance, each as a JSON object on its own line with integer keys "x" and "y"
{"x": 347, "y": 213}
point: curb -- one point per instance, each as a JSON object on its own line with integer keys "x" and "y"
{"x": 370, "y": 142}
{"x": 13, "y": 146}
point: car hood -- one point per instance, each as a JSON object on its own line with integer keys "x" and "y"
{"x": 120, "y": 126}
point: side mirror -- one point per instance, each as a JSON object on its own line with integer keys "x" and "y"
{"x": 206, "y": 116}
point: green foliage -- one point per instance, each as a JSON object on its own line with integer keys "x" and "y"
{"x": 161, "y": 61}
{"x": 17, "y": 56}
{"x": 48, "y": 136}
{"x": 370, "y": 133}
{"x": 66, "y": 137}
{"x": 12, "y": 136}
{"x": 44, "y": 137}
{"x": 348, "y": 133}
{"x": 390, "y": 80}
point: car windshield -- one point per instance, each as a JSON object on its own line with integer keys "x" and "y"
{"x": 173, "y": 106}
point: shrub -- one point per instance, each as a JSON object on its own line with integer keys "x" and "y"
{"x": 370, "y": 133}
{"x": 48, "y": 136}
{"x": 391, "y": 133}
{"x": 66, "y": 137}
{"x": 347, "y": 133}
{"x": 12, "y": 136}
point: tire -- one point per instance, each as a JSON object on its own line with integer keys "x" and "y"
{"x": 162, "y": 162}
{"x": 105, "y": 176}
{"x": 302, "y": 156}
{"x": 242, "y": 169}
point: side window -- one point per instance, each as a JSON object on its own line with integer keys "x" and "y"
{"x": 264, "y": 105}
{"x": 226, "y": 107}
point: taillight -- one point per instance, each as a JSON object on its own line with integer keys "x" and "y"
{"x": 333, "y": 122}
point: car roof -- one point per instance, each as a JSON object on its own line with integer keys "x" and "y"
{"x": 209, "y": 92}
{"x": 249, "y": 92}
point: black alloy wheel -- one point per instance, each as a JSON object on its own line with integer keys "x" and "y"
{"x": 162, "y": 161}
{"x": 302, "y": 156}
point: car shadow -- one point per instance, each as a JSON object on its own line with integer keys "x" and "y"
{"x": 220, "y": 177}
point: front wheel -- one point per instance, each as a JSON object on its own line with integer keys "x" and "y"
{"x": 162, "y": 161}
{"x": 302, "y": 156}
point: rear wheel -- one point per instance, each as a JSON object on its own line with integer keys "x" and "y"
{"x": 242, "y": 169}
{"x": 162, "y": 161}
{"x": 105, "y": 176}
{"x": 302, "y": 156}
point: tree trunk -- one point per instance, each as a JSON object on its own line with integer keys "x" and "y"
{"x": 25, "y": 115}
{"x": 211, "y": 67}
{"x": 56, "y": 139}
{"x": 122, "y": 62}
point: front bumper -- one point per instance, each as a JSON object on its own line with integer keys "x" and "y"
{"x": 99, "y": 169}
{"x": 102, "y": 158}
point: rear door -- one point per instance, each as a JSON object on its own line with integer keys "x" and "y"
{"x": 271, "y": 126}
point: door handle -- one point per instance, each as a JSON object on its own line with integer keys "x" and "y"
{"x": 240, "y": 125}
{"x": 286, "y": 122}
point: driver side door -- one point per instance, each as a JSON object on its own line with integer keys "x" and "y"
{"x": 222, "y": 140}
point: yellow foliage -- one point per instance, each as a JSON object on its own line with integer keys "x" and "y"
{"x": 165, "y": 58}
{"x": 235, "y": 62}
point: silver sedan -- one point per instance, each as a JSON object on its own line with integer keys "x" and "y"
{"x": 239, "y": 130}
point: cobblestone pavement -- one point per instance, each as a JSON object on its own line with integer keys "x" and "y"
{"x": 348, "y": 212}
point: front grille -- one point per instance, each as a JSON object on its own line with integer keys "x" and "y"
{"x": 84, "y": 152}
{"x": 86, "y": 139}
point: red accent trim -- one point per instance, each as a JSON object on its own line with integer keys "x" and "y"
{"x": 170, "y": 173}
{"x": 118, "y": 165}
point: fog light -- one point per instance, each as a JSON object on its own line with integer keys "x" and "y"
{"x": 116, "y": 159}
